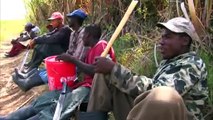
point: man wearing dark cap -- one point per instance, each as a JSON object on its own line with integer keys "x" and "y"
{"x": 31, "y": 31}
{"x": 76, "y": 49}
{"x": 75, "y": 21}
{"x": 178, "y": 90}
{"x": 44, "y": 107}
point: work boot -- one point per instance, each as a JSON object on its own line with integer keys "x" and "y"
{"x": 25, "y": 75}
{"x": 21, "y": 114}
{"x": 29, "y": 82}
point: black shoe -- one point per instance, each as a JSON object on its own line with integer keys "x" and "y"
{"x": 6, "y": 55}
{"x": 29, "y": 82}
{"x": 28, "y": 69}
{"x": 25, "y": 75}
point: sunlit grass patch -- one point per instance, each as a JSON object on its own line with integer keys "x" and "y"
{"x": 10, "y": 28}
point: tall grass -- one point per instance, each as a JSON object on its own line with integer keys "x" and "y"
{"x": 140, "y": 34}
{"x": 10, "y": 29}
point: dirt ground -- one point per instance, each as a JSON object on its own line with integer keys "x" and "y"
{"x": 11, "y": 97}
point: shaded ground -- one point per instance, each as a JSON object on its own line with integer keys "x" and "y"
{"x": 11, "y": 97}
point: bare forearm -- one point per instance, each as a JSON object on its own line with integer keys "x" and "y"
{"x": 86, "y": 68}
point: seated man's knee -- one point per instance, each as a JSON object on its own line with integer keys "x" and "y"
{"x": 159, "y": 103}
{"x": 166, "y": 94}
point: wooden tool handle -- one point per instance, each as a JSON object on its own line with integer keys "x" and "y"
{"x": 120, "y": 27}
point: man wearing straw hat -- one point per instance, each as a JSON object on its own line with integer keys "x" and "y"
{"x": 43, "y": 108}
{"x": 178, "y": 90}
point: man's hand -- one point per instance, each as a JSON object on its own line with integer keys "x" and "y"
{"x": 14, "y": 41}
{"x": 31, "y": 45}
{"x": 66, "y": 57}
{"x": 103, "y": 65}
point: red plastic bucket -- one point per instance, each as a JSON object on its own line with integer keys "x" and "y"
{"x": 58, "y": 70}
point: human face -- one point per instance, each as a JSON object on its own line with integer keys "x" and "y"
{"x": 71, "y": 21}
{"x": 27, "y": 29}
{"x": 171, "y": 44}
{"x": 55, "y": 23}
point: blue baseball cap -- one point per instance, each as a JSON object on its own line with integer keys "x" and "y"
{"x": 80, "y": 13}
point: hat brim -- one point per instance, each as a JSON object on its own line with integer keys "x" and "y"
{"x": 176, "y": 30}
{"x": 49, "y": 19}
{"x": 69, "y": 15}
{"x": 73, "y": 16}
{"x": 169, "y": 27}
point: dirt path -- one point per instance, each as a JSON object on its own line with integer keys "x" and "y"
{"x": 11, "y": 97}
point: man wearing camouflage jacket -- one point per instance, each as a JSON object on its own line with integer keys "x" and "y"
{"x": 134, "y": 97}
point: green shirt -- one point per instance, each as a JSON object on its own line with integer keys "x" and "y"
{"x": 186, "y": 73}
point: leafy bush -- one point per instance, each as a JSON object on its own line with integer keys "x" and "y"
{"x": 209, "y": 65}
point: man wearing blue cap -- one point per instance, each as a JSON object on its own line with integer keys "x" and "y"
{"x": 44, "y": 107}
{"x": 75, "y": 21}
{"x": 46, "y": 103}
{"x": 76, "y": 49}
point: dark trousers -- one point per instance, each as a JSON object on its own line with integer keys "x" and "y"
{"x": 41, "y": 51}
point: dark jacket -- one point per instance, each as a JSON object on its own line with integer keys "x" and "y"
{"x": 58, "y": 37}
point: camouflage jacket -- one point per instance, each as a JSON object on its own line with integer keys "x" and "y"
{"x": 186, "y": 73}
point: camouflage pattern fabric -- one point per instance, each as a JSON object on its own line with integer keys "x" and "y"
{"x": 186, "y": 73}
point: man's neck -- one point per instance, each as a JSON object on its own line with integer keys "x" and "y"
{"x": 61, "y": 25}
{"x": 186, "y": 50}
{"x": 76, "y": 27}
{"x": 180, "y": 53}
{"x": 92, "y": 44}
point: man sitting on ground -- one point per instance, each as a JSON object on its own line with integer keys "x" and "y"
{"x": 44, "y": 106}
{"x": 53, "y": 44}
{"x": 31, "y": 31}
{"x": 182, "y": 73}
{"x": 76, "y": 48}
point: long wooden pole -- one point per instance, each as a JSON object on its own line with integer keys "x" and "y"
{"x": 112, "y": 39}
{"x": 120, "y": 27}
{"x": 200, "y": 29}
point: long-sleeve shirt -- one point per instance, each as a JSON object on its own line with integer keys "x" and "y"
{"x": 76, "y": 46}
{"x": 186, "y": 73}
{"x": 60, "y": 37}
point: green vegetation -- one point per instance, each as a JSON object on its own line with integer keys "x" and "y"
{"x": 10, "y": 28}
{"x": 209, "y": 65}
{"x": 140, "y": 34}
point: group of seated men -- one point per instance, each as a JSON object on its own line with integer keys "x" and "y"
{"x": 177, "y": 91}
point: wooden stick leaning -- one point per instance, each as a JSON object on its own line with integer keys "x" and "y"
{"x": 120, "y": 27}
{"x": 197, "y": 35}
{"x": 199, "y": 27}
{"x": 115, "y": 35}
{"x": 183, "y": 8}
